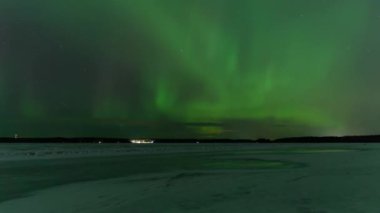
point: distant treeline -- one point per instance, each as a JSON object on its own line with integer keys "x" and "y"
{"x": 346, "y": 139}
{"x": 115, "y": 140}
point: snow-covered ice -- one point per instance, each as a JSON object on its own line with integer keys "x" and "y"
{"x": 304, "y": 178}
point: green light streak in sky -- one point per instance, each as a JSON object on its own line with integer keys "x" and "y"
{"x": 280, "y": 58}
{"x": 211, "y": 62}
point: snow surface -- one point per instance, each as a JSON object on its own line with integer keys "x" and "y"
{"x": 285, "y": 178}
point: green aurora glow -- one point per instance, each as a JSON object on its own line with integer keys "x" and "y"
{"x": 175, "y": 68}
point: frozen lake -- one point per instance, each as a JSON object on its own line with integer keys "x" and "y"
{"x": 95, "y": 178}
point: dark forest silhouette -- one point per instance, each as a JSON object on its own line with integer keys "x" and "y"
{"x": 344, "y": 139}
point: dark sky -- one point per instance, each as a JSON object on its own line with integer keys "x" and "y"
{"x": 179, "y": 68}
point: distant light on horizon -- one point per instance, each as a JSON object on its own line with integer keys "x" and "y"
{"x": 140, "y": 141}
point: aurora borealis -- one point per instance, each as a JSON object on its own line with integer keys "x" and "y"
{"x": 200, "y": 68}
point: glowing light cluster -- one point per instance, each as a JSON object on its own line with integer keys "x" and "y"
{"x": 140, "y": 141}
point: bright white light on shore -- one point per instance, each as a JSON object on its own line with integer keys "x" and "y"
{"x": 138, "y": 141}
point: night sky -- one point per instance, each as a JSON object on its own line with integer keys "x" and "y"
{"x": 189, "y": 69}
